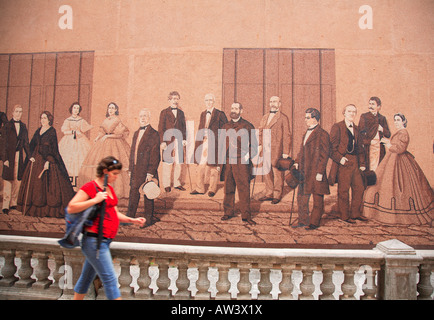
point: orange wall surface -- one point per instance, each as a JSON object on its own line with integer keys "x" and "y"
{"x": 146, "y": 48}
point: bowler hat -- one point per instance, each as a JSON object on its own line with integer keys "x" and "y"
{"x": 294, "y": 178}
{"x": 285, "y": 164}
{"x": 150, "y": 189}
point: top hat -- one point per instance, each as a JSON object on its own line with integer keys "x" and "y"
{"x": 294, "y": 178}
{"x": 285, "y": 164}
{"x": 369, "y": 178}
{"x": 150, "y": 189}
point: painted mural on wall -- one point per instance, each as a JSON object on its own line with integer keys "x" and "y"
{"x": 374, "y": 176}
{"x": 278, "y": 163}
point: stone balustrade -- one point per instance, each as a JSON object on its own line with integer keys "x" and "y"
{"x": 38, "y": 268}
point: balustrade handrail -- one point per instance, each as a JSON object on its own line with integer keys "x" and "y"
{"x": 286, "y": 260}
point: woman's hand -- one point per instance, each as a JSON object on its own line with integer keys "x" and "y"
{"x": 100, "y": 197}
{"x": 140, "y": 221}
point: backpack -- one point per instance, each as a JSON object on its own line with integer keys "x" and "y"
{"x": 75, "y": 223}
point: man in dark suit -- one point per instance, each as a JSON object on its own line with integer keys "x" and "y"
{"x": 3, "y": 120}
{"x": 211, "y": 120}
{"x": 15, "y": 142}
{"x": 373, "y": 127}
{"x": 143, "y": 166}
{"x": 312, "y": 162}
{"x": 347, "y": 153}
{"x": 239, "y": 147}
{"x": 278, "y": 147}
{"x": 172, "y": 118}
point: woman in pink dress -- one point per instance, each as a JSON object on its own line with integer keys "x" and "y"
{"x": 402, "y": 194}
{"x": 109, "y": 142}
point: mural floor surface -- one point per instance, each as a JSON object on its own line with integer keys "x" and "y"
{"x": 196, "y": 220}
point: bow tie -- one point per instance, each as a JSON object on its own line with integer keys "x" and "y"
{"x": 15, "y": 121}
{"x": 143, "y": 128}
{"x": 173, "y": 108}
{"x": 273, "y": 111}
{"x": 351, "y": 125}
{"x": 208, "y": 112}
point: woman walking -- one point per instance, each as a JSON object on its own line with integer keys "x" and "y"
{"x": 100, "y": 263}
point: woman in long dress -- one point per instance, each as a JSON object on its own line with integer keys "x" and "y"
{"x": 45, "y": 188}
{"x": 74, "y": 145}
{"x": 109, "y": 142}
{"x": 402, "y": 194}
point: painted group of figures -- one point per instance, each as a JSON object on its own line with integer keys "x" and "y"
{"x": 39, "y": 176}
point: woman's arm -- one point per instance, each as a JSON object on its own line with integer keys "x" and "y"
{"x": 123, "y": 218}
{"x": 81, "y": 201}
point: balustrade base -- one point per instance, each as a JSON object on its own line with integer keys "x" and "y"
{"x": 162, "y": 295}
{"x": 16, "y": 293}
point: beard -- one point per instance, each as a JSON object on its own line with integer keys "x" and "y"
{"x": 235, "y": 115}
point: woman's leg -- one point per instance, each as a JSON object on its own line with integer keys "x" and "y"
{"x": 87, "y": 276}
{"x": 103, "y": 266}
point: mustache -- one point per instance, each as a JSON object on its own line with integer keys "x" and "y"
{"x": 234, "y": 115}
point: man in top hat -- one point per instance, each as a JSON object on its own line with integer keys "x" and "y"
{"x": 312, "y": 162}
{"x": 240, "y": 147}
{"x": 143, "y": 166}
{"x": 278, "y": 147}
{"x": 172, "y": 118}
{"x": 211, "y": 120}
{"x": 348, "y": 155}
{"x": 373, "y": 127}
{"x": 15, "y": 142}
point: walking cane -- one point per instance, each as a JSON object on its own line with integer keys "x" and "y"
{"x": 28, "y": 187}
{"x": 188, "y": 167}
{"x": 254, "y": 181}
{"x": 292, "y": 206}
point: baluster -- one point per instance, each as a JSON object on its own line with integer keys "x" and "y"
{"x": 42, "y": 271}
{"x": 223, "y": 284}
{"x": 125, "y": 278}
{"x": 182, "y": 283}
{"x": 73, "y": 266}
{"x": 369, "y": 287}
{"x": 144, "y": 280}
{"x": 424, "y": 286}
{"x": 202, "y": 283}
{"x": 163, "y": 281}
{"x": 349, "y": 288}
{"x": 265, "y": 286}
{"x": 307, "y": 287}
{"x": 59, "y": 261}
{"x": 286, "y": 286}
{"x": 244, "y": 285}
{"x": 327, "y": 286}
{"x": 9, "y": 269}
{"x": 25, "y": 272}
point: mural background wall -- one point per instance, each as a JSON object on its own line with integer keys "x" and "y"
{"x": 143, "y": 49}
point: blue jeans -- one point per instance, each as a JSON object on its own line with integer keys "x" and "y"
{"x": 102, "y": 266}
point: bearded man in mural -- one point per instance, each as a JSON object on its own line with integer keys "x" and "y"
{"x": 236, "y": 149}
{"x": 348, "y": 155}
{"x": 279, "y": 145}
